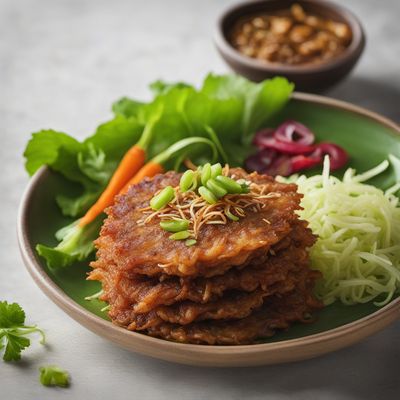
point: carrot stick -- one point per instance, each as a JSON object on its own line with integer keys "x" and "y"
{"x": 130, "y": 164}
{"x": 148, "y": 170}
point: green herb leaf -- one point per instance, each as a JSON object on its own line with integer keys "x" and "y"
{"x": 11, "y": 315}
{"x": 52, "y": 375}
{"x": 13, "y": 331}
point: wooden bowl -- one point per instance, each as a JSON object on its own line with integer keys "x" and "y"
{"x": 368, "y": 137}
{"x": 313, "y": 77}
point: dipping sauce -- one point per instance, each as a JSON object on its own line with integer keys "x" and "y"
{"x": 290, "y": 37}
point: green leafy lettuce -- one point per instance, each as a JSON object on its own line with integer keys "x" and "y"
{"x": 226, "y": 109}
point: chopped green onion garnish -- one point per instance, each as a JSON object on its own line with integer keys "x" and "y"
{"x": 190, "y": 242}
{"x": 197, "y": 180}
{"x": 216, "y": 170}
{"x": 229, "y": 184}
{"x": 205, "y": 173}
{"x": 187, "y": 180}
{"x": 175, "y": 225}
{"x": 180, "y": 235}
{"x": 163, "y": 198}
{"x": 207, "y": 195}
{"x": 216, "y": 188}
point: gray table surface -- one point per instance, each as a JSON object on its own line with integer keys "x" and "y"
{"x": 61, "y": 65}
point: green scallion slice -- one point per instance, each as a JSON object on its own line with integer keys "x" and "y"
{"x": 216, "y": 188}
{"x": 207, "y": 195}
{"x": 190, "y": 242}
{"x": 216, "y": 170}
{"x": 229, "y": 184}
{"x": 175, "y": 225}
{"x": 187, "y": 180}
{"x": 180, "y": 235}
{"x": 205, "y": 173}
{"x": 163, "y": 198}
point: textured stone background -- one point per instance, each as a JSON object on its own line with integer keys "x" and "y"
{"x": 62, "y": 62}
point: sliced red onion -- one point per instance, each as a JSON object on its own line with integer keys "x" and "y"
{"x": 294, "y": 132}
{"x": 283, "y": 147}
{"x": 301, "y": 162}
{"x": 263, "y": 134}
{"x": 280, "y": 166}
{"x": 289, "y": 149}
{"x": 338, "y": 157}
{"x": 260, "y": 160}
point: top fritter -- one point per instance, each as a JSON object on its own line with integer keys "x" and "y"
{"x": 131, "y": 238}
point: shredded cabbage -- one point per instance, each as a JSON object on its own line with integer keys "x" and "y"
{"x": 358, "y": 229}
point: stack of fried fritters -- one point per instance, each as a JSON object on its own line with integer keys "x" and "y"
{"x": 239, "y": 283}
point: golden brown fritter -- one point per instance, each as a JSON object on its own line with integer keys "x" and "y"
{"x": 147, "y": 249}
{"x": 282, "y": 274}
{"x": 141, "y": 293}
{"x": 233, "y": 306}
{"x": 278, "y": 312}
{"x": 239, "y": 283}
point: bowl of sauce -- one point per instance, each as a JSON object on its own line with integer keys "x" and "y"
{"x": 315, "y": 44}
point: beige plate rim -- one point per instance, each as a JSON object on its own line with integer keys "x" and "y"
{"x": 201, "y": 355}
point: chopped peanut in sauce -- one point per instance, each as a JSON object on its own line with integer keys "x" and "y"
{"x": 293, "y": 37}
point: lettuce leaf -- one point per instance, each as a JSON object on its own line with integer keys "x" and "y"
{"x": 89, "y": 163}
{"x": 233, "y": 107}
{"x": 76, "y": 206}
{"x": 57, "y": 150}
{"x": 162, "y": 87}
{"x": 115, "y": 137}
{"x": 259, "y": 100}
{"x": 76, "y": 244}
{"x": 127, "y": 107}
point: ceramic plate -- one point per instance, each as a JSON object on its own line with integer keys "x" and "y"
{"x": 368, "y": 137}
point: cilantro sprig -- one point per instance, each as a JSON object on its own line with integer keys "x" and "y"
{"x": 51, "y": 375}
{"x": 13, "y": 331}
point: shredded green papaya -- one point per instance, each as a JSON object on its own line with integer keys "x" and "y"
{"x": 358, "y": 229}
